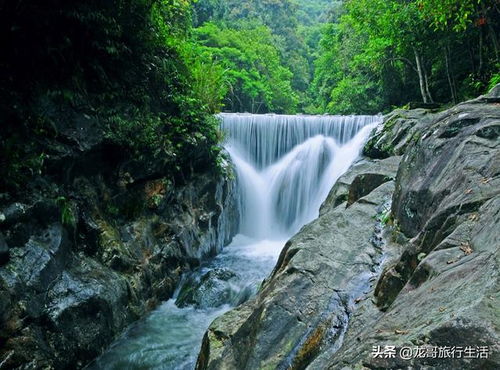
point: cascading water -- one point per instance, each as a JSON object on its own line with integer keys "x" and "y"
{"x": 285, "y": 166}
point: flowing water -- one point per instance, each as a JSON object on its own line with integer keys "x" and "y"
{"x": 285, "y": 167}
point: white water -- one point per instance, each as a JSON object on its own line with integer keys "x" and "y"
{"x": 285, "y": 167}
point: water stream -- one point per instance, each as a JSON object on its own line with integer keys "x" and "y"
{"x": 285, "y": 167}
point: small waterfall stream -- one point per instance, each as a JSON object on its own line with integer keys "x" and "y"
{"x": 285, "y": 166}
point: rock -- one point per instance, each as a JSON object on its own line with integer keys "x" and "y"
{"x": 39, "y": 262}
{"x": 66, "y": 292}
{"x": 492, "y": 97}
{"x": 400, "y": 129}
{"x": 363, "y": 185}
{"x": 14, "y": 213}
{"x": 86, "y": 308}
{"x": 309, "y": 296}
{"x": 213, "y": 289}
{"x": 367, "y": 175}
{"x": 441, "y": 290}
{"x": 4, "y": 250}
{"x": 428, "y": 278}
{"x": 440, "y": 179}
{"x": 450, "y": 300}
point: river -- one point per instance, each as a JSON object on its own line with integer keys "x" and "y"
{"x": 285, "y": 167}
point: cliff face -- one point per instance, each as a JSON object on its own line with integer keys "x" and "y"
{"x": 404, "y": 253}
{"x": 95, "y": 243}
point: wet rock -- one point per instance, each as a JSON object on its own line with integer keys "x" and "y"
{"x": 14, "y": 213}
{"x": 363, "y": 185}
{"x": 86, "y": 308}
{"x": 309, "y": 296}
{"x": 450, "y": 300}
{"x": 213, "y": 289}
{"x": 437, "y": 283}
{"x": 4, "y": 250}
{"x": 67, "y": 291}
{"x": 440, "y": 178}
{"x": 360, "y": 180}
{"x": 39, "y": 262}
{"x": 400, "y": 128}
{"x": 442, "y": 289}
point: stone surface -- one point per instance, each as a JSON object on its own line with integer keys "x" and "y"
{"x": 361, "y": 174}
{"x": 307, "y": 300}
{"x": 213, "y": 289}
{"x": 400, "y": 129}
{"x": 443, "y": 289}
{"x": 84, "y": 255}
{"x": 4, "y": 250}
{"x": 424, "y": 274}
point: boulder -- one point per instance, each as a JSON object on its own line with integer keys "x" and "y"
{"x": 67, "y": 291}
{"x": 213, "y": 289}
{"x": 423, "y": 276}
{"x": 441, "y": 292}
{"x": 363, "y": 177}
{"x": 13, "y": 213}
{"x": 4, "y": 250}
{"x": 400, "y": 128}
{"x": 309, "y": 296}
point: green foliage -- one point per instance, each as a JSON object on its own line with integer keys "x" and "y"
{"x": 495, "y": 79}
{"x": 312, "y": 12}
{"x": 124, "y": 63}
{"x": 449, "y": 13}
{"x": 392, "y": 52}
{"x": 67, "y": 215}
{"x": 148, "y": 83}
{"x": 386, "y": 217}
{"x": 279, "y": 17}
{"x": 254, "y": 77}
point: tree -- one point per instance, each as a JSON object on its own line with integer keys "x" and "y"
{"x": 257, "y": 81}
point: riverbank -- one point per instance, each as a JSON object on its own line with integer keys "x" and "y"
{"x": 76, "y": 270}
{"x": 285, "y": 166}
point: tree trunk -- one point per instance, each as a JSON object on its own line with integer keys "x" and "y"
{"x": 451, "y": 81}
{"x": 472, "y": 57}
{"x": 428, "y": 92}
{"x": 421, "y": 77}
{"x": 480, "y": 68}
{"x": 491, "y": 30}
{"x": 494, "y": 40}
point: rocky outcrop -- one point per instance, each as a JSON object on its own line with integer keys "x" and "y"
{"x": 407, "y": 260}
{"x": 94, "y": 244}
{"x": 212, "y": 289}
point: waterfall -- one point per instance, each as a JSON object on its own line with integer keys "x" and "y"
{"x": 286, "y": 165}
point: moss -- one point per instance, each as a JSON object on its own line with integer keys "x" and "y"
{"x": 310, "y": 348}
{"x": 109, "y": 237}
{"x": 391, "y": 122}
{"x": 388, "y": 149}
{"x": 416, "y": 137}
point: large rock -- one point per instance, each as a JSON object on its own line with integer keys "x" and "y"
{"x": 364, "y": 176}
{"x": 77, "y": 269}
{"x": 425, "y": 277}
{"x": 307, "y": 300}
{"x": 442, "y": 291}
{"x": 212, "y": 289}
{"x": 399, "y": 130}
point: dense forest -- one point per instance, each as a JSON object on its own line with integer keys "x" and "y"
{"x": 151, "y": 73}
